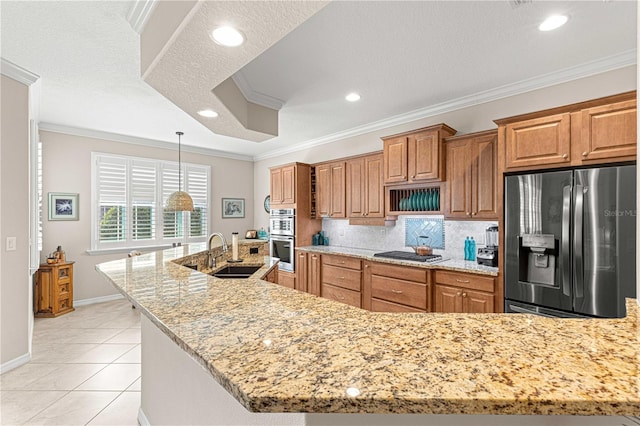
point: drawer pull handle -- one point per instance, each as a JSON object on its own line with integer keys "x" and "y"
{"x": 340, "y": 297}
{"x": 396, "y": 291}
{"x": 342, "y": 278}
{"x": 463, "y": 281}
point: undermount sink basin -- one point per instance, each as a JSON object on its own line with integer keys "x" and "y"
{"x": 233, "y": 271}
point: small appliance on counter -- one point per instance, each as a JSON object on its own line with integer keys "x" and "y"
{"x": 488, "y": 255}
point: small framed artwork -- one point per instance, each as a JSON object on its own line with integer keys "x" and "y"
{"x": 232, "y": 208}
{"x": 63, "y": 206}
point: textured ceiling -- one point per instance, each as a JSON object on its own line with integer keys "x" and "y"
{"x": 401, "y": 56}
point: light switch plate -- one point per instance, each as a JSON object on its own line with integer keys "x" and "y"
{"x": 11, "y": 244}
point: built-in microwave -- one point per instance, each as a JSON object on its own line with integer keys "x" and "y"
{"x": 282, "y": 222}
{"x": 282, "y": 247}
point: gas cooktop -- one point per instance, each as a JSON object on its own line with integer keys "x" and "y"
{"x": 405, "y": 255}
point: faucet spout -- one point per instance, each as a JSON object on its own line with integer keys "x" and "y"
{"x": 224, "y": 246}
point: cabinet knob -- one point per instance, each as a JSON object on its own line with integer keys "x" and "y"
{"x": 464, "y": 294}
{"x": 458, "y": 294}
{"x": 468, "y": 214}
{"x": 565, "y": 156}
{"x": 584, "y": 154}
{"x": 366, "y": 266}
{"x": 474, "y": 213}
{"x": 413, "y": 177}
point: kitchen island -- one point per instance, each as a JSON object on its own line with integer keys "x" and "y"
{"x": 226, "y": 351}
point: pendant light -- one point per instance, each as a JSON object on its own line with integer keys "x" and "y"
{"x": 179, "y": 201}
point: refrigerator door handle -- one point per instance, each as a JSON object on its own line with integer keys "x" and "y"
{"x": 578, "y": 270}
{"x": 565, "y": 259}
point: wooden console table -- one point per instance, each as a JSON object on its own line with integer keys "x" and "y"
{"x": 54, "y": 289}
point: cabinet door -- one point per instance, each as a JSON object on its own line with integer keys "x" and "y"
{"x": 302, "y": 277}
{"x": 539, "y": 142}
{"x": 276, "y": 187}
{"x": 44, "y": 292}
{"x": 458, "y": 179}
{"x": 395, "y": 160}
{"x": 476, "y": 302}
{"x": 338, "y": 190}
{"x": 424, "y": 156}
{"x": 356, "y": 194}
{"x": 313, "y": 274}
{"x": 448, "y": 299}
{"x": 484, "y": 176}
{"x": 289, "y": 184}
{"x": 287, "y": 279}
{"x": 323, "y": 190}
{"x": 609, "y": 131}
{"x": 374, "y": 186}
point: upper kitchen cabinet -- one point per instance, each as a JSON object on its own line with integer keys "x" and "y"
{"x": 290, "y": 187}
{"x": 330, "y": 189}
{"x": 588, "y": 133}
{"x": 415, "y": 156}
{"x": 472, "y": 174}
{"x": 365, "y": 188}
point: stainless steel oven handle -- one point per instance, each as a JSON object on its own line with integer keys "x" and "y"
{"x": 565, "y": 258}
{"x": 578, "y": 215}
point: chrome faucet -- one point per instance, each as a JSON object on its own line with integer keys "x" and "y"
{"x": 212, "y": 259}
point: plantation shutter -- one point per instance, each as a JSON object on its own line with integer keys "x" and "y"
{"x": 197, "y": 185}
{"x": 143, "y": 200}
{"x": 172, "y": 220}
{"x": 112, "y": 198}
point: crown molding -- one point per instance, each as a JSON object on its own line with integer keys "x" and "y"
{"x": 253, "y": 96}
{"x": 587, "y": 69}
{"x": 139, "y": 14}
{"x": 16, "y": 72}
{"x": 152, "y": 143}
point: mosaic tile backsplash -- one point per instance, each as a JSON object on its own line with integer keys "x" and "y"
{"x": 384, "y": 238}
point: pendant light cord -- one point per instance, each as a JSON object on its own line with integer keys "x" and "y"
{"x": 179, "y": 161}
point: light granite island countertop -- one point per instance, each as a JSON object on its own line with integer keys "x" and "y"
{"x": 277, "y": 350}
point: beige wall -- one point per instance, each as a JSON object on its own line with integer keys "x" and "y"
{"x": 67, "y": 168}
{"x": 15, "y": 284}
{"x": 465, "y": 120}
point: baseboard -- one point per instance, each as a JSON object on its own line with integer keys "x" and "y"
{"x": 142, "y": 419}
{"x": 15, "y": 363}
{"x": 100, "y": 299}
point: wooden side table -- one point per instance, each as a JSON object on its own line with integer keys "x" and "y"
{"x": 54, "y": 289}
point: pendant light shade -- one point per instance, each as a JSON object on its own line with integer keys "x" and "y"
{"x": 179, "y": 201}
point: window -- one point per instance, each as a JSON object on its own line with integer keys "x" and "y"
{"x": 128, "y": 198}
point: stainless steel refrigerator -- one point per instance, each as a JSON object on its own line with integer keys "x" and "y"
{"x": 570, "y": 242}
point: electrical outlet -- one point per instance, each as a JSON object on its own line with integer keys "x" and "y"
{"x": 11, "y": 244}
{"x": 253, "y": 250}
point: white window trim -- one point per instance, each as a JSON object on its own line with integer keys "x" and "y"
{"x": 125, "y": 246}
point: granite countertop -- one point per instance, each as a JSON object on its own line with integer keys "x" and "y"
{"x": 280, "y": 350}
{"x": 448, "y": 264}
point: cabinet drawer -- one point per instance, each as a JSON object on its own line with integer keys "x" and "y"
{"x": 63, "y": 288}
{"x": 342, "y": 261}
{"x": 341, "y": 277}
{"x": 385, "y": 306}
{"x": 471, "y": 281}
{"x": 406, "y": 273}
{"x": 342, "y": 295}
{"x": 399, "y": 291}
{"x": 64, "y": 303}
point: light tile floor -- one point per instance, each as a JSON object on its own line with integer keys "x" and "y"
{"x": 84, "y": 370}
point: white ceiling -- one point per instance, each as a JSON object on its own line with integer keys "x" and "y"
{"x": 402, "y": 57}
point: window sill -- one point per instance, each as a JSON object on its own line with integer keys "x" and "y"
{"x": 119, "y": 250}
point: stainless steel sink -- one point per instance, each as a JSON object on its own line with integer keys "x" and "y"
{"x": 234, "y": 271}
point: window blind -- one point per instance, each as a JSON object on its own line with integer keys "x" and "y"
{"x": 129, "y": 195}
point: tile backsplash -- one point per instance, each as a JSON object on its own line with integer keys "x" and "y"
{"x": 400, "y": 236}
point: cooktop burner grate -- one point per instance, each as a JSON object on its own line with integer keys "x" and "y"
{"x": 405, "y": 255}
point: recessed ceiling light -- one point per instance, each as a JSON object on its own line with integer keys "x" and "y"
{"x": 553, "y": 22}
{"x": 352, "y": 97}
{"x": 208, "y": 113}
{"x": 227, "y": 36}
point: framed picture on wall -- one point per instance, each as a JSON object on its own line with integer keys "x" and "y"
{"x": 232, "y": 208}
{"x": 63, "y": 206}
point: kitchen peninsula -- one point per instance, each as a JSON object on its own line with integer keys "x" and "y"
{"x": 288, "y": 357}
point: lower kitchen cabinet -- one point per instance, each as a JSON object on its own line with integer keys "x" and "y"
{"x": 287, "y": 279}
{"x": 393, "y": 288}
{"x": 341, "y": 279}
{"x": 308, "y": 272}
{"x": 457, "y": 292}
{"x": 272, "y": 276}
{"x": 54, "y": 289}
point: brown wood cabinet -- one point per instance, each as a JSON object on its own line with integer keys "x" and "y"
{"x": 283, "y": 185}
{"x": 365, "y": 187}
{"x": 589, "y": 133}
{"x": 394, "y": 288}
{"x": 287, "y": 279}
{"x": 459, "y": 292}
{"x": 416, "y": 156}
{"x": 272, "y": 276}
{"x": 331, "y": 190}
{"x": 472, "y": 174}
{"x": 308, "y": 272}
{"x": 341, "y": 279}
{"x": 54, "y": 289}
